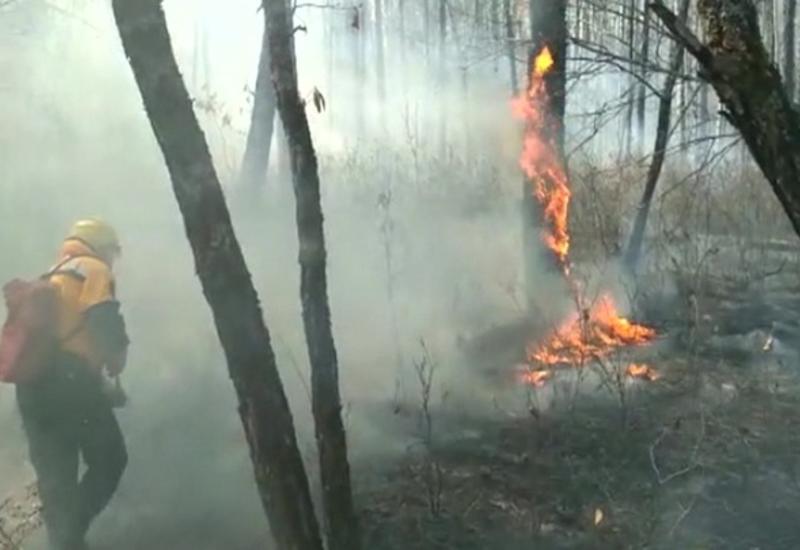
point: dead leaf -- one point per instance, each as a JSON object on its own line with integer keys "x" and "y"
{"x": 598, "y": 516}
{"x": 319, "y": 100}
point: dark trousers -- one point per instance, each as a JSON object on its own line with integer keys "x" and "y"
{"x": 66, "y": 416}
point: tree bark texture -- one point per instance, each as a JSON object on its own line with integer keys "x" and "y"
{"x": 380, "y": 60}
{"x": 633, "y": 252}
{"x": 337, "y": 499}
{"x": 789, "y": 48}
{"x": 641, "y": 99}
{"x": 259, "y": 138}
{"x": 734, "y": 60}
{"x": 226, "y": 282}
{"x": 548, "y": 25}
{"x": 511, "y": 52}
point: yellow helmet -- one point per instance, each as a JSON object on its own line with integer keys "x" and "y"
{"x": 99, "y": 235}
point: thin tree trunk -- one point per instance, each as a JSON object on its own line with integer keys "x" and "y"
{"x": 735, "y": 62}
{"x": 442, "y": 78}
{"x": 634, "y": 249}
{"x": 228, "y": 288}
{"x": 789, "y": 48}
{"x": 510, "y": 49}
{"x": 380, "y": 62}
{"x": 259, "y": 138}
{"x": 641, "y": 100}
{"x": 548, "y": 29}
{"x": 337, "y": 499}
{"x": 629, "y": 112}
{"x": 768, "y": 23}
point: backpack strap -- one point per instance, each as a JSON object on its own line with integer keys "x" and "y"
{"x": 59, "y": 269}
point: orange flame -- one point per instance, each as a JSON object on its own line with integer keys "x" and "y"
{"x": 597, "y": 331}
{"x": 536, "y": 378}
{"x": 643, "y": 372}
{"x": 593, "y": 335}
{"x": 541, "y": 161}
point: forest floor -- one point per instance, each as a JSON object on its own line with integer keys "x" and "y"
{"x": 705, "y": 457}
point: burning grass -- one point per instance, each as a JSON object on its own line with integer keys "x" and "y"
{"x": 590, "y": 333}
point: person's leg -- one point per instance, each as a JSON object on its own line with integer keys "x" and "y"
{"x": 103, "y": 449}
{"x": 53, "y": 448}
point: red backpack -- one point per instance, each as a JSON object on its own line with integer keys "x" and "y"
{"x": 29, "y": 337}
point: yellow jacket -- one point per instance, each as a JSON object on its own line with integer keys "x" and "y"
{"x": 84, "y": 282}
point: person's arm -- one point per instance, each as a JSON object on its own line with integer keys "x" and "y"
{"x": 104, "y": 322}
{"x": 106, "y": 328}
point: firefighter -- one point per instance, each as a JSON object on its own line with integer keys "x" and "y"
{"x": 68, "y": 413}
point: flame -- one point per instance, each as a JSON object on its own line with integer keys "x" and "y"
{"x": 540, "y": 160}
{"x": 642, "y": 371}
{"x": 592, "y": 335}
{"x": 593, "y": 332}
{"x": 536, "y": 378}
{"x": 543, "y": 63}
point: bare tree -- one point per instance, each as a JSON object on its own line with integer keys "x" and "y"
{"x": 511, "y": 53}
{"x": 789, "y": 48}
{"x": 259, "y": 138}
{"x": 337, "y": 499}
{"x": 228, "y": 288}
{"x": 380, "y": 61}
{"x": 736, "y": 63}
{"x": 548, "y": 24}
{"x": 634, "y": 249}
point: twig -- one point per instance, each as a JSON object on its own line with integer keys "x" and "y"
{"x": 692, "y": 460}
{"x": 682, "y": 516}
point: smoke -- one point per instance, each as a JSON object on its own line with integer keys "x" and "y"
{"x": 444, "y": 223}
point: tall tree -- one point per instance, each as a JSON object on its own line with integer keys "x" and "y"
{"x": 337, "y": 499}
{"x": 259, "y": 138}
{"x": 641, "y": 98}
{"x": 380, "y": 60}
{"x": 736, "y": 63}
{"x": 789, "y": 48}
{"x": 548, "y": 26}
{"x": 228, "y": 288}
{"x": 633, "y": 252}
{"x": 511, "y": 50}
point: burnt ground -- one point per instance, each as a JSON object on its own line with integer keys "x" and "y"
{"x": 704, "y": 460}
{"x": 705, "y": 457}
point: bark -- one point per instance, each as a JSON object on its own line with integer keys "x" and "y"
{"x": 789, "y": 48}
{"x": 629, "y": 131}
{"x": 641, "y": 100}
{"x": 634, "y": 249}
{"x": 442, "y": 77}
{"x": 259, "y": 138}
{"x": 337, "y": 499}
{"x": 548, "y": 26}
{"x": 380, "y": 63}
{"x": 735, "y": 62}
{"x": 510, "y": 49}
{"x": 226, "y": 282}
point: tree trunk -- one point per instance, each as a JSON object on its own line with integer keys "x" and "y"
{"x": 548, "y": 23}
{"x": 768, "y": 18}
{"x": 442, "y": 78}
{"x": 337, "y": 499}
{"x": 259, "y": 137}
{"x": 264, "y": 410}
{"x": 511, "y": 52}
{"x": 788, "y": 48}
{"x": 641, "y": 100}
{"x": 634, "y": 249}
{"x": 734, "y": 60}
{"x": 380, "y": 62}
{"x": 631, "y": 93}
